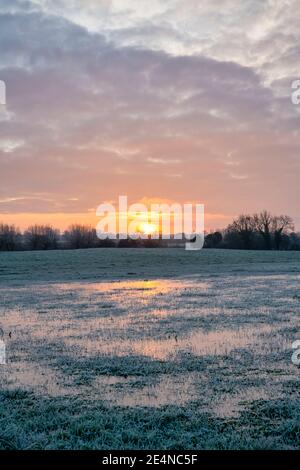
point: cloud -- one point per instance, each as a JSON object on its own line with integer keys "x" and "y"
{"x": 102, "y": 96}
{"x": 257, "y": 33}
{"x": 163, "y": 161}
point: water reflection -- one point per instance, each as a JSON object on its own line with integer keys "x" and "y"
{"x": 160, "y": 320}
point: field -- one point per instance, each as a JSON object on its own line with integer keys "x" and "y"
{"x": 149, "y": 349}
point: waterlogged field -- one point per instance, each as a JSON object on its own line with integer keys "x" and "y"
{"x": 156, "y": 349}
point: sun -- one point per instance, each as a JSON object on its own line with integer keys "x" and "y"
{"x": 147, "y": 228}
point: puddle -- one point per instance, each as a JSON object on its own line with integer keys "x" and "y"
{"x": 161, "y": 320}
{"x": 169, "y": 390}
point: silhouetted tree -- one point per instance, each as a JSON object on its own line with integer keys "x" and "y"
{"x": 213, "y": 240}
{"x": 10, "y": 237}
{"x": 41, "y": 237}
{"x": 281, "y": 225}
{"x": 294, "y": 241}
{"x": 81, "y": 236}
{"x": 243, "y": 226}
{"x": 259, "y": 231}
{"x": 232, "y": 240}
{"x": 263, "y": 224}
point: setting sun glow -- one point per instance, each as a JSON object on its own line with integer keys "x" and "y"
{"x": 148, "y": 229}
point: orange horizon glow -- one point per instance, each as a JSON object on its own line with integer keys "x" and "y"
{"x": 131, "y": 108}
{"x": 62, "y": 221}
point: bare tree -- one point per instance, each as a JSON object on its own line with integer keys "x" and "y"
{"x": 272, "y": 226}
{"x": 80, "y": 236}
{"x": 41, "y": 237}
{"x": 281, "y": 225}
{"x": 244, "y": 227}
{"x": 263, "y": 224}
{"x": 10, "y": 237}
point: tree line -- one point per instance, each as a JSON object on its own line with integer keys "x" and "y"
{"x": 45, "y": 237}
{"x": 262, "y": 231}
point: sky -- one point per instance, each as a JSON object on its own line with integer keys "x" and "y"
{"x": 182, "y": 101}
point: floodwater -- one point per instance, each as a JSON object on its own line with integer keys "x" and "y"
{"x": 221, "y": 341}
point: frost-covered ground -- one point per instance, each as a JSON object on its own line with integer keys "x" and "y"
{"x": 149, "y": 349}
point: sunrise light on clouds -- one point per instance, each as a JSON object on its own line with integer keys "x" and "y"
{"x": 142, "y": 98}
{"x": 149, "y": 232}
